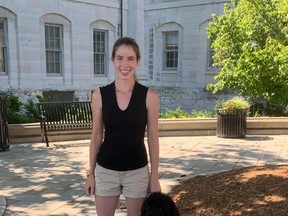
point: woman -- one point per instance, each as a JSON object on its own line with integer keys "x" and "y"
{"x": 119, "y": 164}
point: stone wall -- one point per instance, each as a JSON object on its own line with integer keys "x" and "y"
{"x": 187, "y": 99}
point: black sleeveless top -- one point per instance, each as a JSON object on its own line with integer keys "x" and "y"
{"x": 123, "y": 146}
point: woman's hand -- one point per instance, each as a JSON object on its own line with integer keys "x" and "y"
{"x": 154, "y": 184}
{"x": 90, "y": 185}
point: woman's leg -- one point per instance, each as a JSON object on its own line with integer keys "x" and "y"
{"x": 107, "y": 191}
{"x": 135, "y": 186}
{"x": 134, "y": 206}
{"x": 106, "y": 206}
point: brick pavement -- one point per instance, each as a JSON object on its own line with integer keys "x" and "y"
{"x": 41, "y": 181}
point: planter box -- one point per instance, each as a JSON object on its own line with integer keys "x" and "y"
{"x": 231, "y": 123}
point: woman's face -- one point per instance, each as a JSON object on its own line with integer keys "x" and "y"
{"x": 125, "y": 62}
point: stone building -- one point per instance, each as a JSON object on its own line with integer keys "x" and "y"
{"x": 62, "y": 48}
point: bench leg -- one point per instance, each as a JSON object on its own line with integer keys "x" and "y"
{"x": 45, "y": 136}
{"x": 47, "y": 142}
{"x": 42, "y": 135}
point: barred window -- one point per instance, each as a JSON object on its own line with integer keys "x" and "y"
{"x": 54, "y": 52}
{"x": 170, "y": 50}
{"x": 100, "y": 51}
{"x": 3, "y": 46}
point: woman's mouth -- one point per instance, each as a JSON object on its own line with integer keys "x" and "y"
{"x": 124, "y": 72}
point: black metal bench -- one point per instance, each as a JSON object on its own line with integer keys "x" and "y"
{"x": 64, "y": 116}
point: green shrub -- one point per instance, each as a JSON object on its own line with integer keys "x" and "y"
{"x": 31, "y": 111}
{"x": 13, "y": 108}
{"x": 18, "y": 112}
{"x": 179, "y": 113}
{"x": 202, "y": 114}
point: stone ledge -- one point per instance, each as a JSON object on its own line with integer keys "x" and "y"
{"x": 20, "y": 133}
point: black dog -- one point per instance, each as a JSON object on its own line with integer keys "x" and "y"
{"x": 159, "y": 204}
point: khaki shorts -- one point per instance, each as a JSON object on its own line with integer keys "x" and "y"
{"x": 132, "y": 183}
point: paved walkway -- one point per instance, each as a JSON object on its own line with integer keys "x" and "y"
{"x": 35, "y": 180}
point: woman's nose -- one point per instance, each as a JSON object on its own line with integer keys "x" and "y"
{"x": 125, "y": 62}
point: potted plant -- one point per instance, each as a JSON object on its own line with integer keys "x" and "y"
{"x": 231, "y": 117}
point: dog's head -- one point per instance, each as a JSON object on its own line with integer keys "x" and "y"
{"x": 159, "y": 204}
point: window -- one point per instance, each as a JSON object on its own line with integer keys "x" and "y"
{"x": 3, "y": 48}
{"x": 53, "y": 45}
{"x": 170, "y": 50}
{"x": 100, "y": 51}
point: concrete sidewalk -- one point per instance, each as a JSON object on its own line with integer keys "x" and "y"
{"x": 36, "y": 180}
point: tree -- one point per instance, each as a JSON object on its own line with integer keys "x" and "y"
{"x": 250, "y": 41}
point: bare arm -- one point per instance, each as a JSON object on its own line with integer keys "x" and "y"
{"x": 152, "y": 103}
{"x": 96, "y": 139}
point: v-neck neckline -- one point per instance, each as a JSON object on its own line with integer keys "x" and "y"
{"x": 129, "y": 103}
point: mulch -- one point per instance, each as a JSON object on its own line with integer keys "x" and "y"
{"x": 252, "y": 191}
